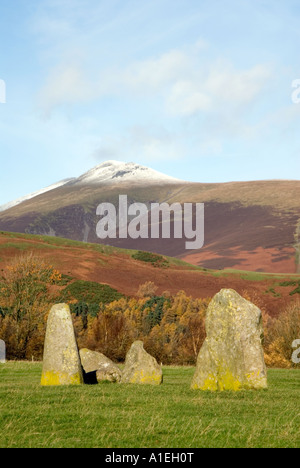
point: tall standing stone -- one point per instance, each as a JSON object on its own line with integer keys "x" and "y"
{"x": 140, "y": 367}
{"x": 231, "y": 357}
{"x": 2, "y": 352}
{"x": 61, "y": 363}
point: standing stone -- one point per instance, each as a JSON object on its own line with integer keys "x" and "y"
{"x": 231, "y": 357}
{"x": 102, "y": 366}
{"x": 140, "y": 367}
{"x": 61, "y": 364}
{"x": 2, "y": 352}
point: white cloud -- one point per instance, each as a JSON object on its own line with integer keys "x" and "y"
{"x": 215, "y": 86}
{"x": 65, "y": 85}
{"x": 238, "y": 86}
{"x": 143, "y": 144}
{"x": 186, "y": 98}
{"x": 182, "y": 83}
{"x": 154, "y": 74}
{"x": 201, "y": 44}
{"x": 69, "y": 83}
{"x": 175, "y": 85}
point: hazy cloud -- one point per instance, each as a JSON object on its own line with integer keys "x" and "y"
{"x": 183, "y": 84}
{"x": 65, "y": 85}
{"x": 202, "y": 98}
{"x": 150, "y": 144}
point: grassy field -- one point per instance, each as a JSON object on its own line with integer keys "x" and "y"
{"x": 169, "y": 416}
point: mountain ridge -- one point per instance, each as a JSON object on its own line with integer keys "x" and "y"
{"x": 105, "y": 173}
{"x": 248, "y": 225}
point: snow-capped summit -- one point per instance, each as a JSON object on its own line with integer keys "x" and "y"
{"x": 117, "y": 171}
{"x": 109, "y": 172}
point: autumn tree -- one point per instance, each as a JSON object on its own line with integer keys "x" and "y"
{"x": 147, "y": 289}
{"x": 25, "y": 297}
{"x": 280, "y": 333}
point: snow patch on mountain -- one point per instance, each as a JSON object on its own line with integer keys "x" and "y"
{"x": 16, "y": 202}
{"x": 109, "y": 172}
{"x": 116, "y": 171}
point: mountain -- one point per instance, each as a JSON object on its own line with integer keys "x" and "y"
{"x": 106, "y": 173}
{"x": 248, "y": 225}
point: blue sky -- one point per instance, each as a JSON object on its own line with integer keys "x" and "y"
{"x": 198, "y": 89}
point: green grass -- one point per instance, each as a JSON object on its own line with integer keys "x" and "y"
{"x": 169, "y": 416}
{"x": 90, "y": 292}
{"x": 252, "y": 275}
{"x": 15, "y": 245}
{"x": 148, "y": 257}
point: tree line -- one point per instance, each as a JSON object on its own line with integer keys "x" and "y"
{"x": 172, "y": 327}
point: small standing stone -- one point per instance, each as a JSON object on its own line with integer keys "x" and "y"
{"x": 231, "y": 357}
{"x": 61, "y": 363}
{"x": 140, "y": 367}
{"x": 102, "y": 366}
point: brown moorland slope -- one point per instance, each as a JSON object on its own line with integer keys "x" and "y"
{"x": 118, "y": 268}
{"x": 248, "y": 225}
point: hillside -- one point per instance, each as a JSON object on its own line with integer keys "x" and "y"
{"x": 118, "y": 269}
{"x": 248, "y": 225}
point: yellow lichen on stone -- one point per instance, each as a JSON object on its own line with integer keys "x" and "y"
{"x": 209, "y": 384}
{"x": 140, "y": 367}
{"x": 228, "y": 382}
{"x": 61, "y": 361}
{"x": 224, "y": 381}
{"x": 254, "y": 379}
{"x": 54, "y": 379}
{"x": 231, "y": 357}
